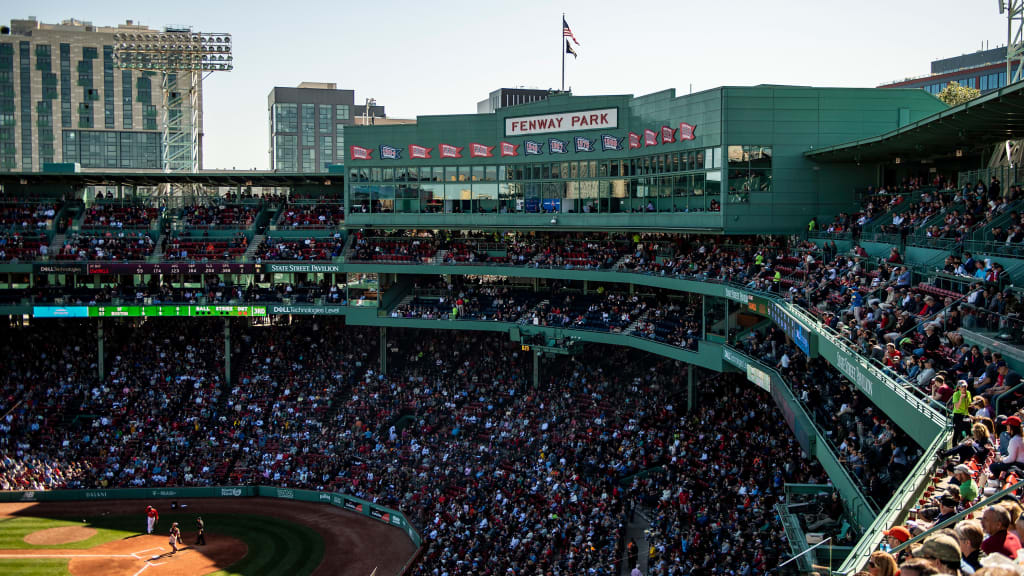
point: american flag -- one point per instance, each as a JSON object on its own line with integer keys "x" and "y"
{"x": 567, "y": 33}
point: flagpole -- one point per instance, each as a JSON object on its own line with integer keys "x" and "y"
{"x": 561, "y": 36}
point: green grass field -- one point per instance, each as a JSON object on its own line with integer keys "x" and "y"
{"x": 276, "y": 547}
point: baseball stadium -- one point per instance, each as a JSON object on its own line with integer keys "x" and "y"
{"x": 746, "y": 330}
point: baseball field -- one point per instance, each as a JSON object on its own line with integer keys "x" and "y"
{"x": 251, "y": 537}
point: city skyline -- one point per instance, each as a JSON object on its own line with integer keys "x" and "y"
{"x": 442, "y": 59}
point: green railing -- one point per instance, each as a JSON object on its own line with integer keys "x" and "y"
{"x": 896, "y": 510}
{"x": 952, "y": 521}
{"x": 350, "y": 503}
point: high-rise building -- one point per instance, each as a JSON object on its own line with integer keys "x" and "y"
{"x": 307, "y": 125}
{"x": 505, "y": 97}
{"x": 984, "y": 70}
{"x": 63, "y": 99}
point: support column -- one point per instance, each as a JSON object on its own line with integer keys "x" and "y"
{"x": 690, "y": 396}
{"x": 585, "y": 286}
{"x": 704, "y": 317}
{"x": 227, "y": 351}
{"x": 383, "y": 349}
{"x": 99, "y": 349}
{"x": 536, "y": 369}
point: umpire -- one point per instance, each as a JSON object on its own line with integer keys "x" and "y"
{"x": 200, "y": 531}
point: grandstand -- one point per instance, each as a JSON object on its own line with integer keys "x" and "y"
{"x": 696, "y": 329}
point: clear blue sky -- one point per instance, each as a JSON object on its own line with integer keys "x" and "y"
{"x": 442, "y": 57}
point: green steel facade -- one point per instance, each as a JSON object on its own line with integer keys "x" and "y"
{"x": 729, "y": 160}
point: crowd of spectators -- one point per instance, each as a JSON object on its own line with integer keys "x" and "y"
{"x": 220, "y": 215}
{"x": 24, "y": 217}
{"x": 319, "y": 214}
{"x": 498, "y": 475}
{"x": 119, "y": 216}
{"x": 106, "y": 246}
{"x": 26, "y": 245}
{"x": 324, "y": 248}
{"x": 202, "y": 246}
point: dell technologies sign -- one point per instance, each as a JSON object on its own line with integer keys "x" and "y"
{"x": 601, "y": 119}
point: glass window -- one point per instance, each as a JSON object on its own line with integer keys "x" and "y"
{"x": 286, "y": 153}
{"x": 324, "y": 117}
{"x": 286, "y": 118}
{"x": 341, "y": 112}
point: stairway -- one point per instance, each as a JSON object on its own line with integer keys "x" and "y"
{"x": 57, "y": 244}
{"x": 525, "y": 318}
{"x": 254, "y": 247}
{"x": 640, "y": 320}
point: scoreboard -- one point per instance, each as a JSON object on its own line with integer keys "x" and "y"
{"x": 146, "y": 311}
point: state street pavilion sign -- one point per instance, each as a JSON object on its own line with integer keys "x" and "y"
{"x": 602, "y": 119}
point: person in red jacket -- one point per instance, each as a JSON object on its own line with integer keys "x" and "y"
{"x": 152, "y": 517}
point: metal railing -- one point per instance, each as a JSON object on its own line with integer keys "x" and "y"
{"x": 898, "y": 506}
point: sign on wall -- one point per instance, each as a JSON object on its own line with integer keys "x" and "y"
{"x": 604, "y": 118}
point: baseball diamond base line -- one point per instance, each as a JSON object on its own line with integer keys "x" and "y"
{"x": 354, "y": 544}
{"x": 149, "y": 554}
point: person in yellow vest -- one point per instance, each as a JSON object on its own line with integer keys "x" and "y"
{"x": 776, "y": 281}
{"x": 961, "y": 418}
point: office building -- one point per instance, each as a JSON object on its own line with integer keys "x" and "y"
{"x": 505, "y": 97}
{"x": 63, "y": 99}
{"x": 307, "y": 125}
{"x": 984, "y": 70}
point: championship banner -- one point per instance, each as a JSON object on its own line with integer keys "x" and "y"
{"x": 584, "y": 144}
{"x": 609, "y": 142}
{"x": 650, "y": 137}
{"x": 509, "y": 149}
{"x": 557, "y": 146}
{"x": 390, "y": 152}
{"x": 480, "y": 151}
{"x": 634, "y": 141}
{"x": 686, "y": 131}
{"x": 449, "y": 151}
{"x": 668, "y": 134}
{"x": 360, "y": 153}
{"x": 416, "y": 151}
{"x": 533, "y": 148}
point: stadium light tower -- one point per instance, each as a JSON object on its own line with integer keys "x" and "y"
{"x": 1014, "y": 11}
{"x": 174, "y": 52}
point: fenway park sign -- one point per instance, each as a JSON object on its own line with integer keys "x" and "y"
{"x": 602, "y": 119}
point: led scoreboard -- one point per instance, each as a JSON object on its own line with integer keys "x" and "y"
{"x": 145, "y": 311}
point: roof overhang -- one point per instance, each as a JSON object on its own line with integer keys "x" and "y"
{"x": 983, "y": 121}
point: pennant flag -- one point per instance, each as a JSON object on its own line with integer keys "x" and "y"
{"x": 533, "y": 147}
{"x": 584, "y": 144}
{"x": 634, "y": 140}
{"x": 567, "y": 33}
{"x": 360, "y": 153}
{"x": 557, "y": 146}
{"x": 480, "y": 151}
{"x": 509, "y": 149}
{"x": 668, "y": 134}
{"x": 390, "y": 152}
{"x": 569, "y": 50}
{"x": 650, "y": 138}
{"x": 416, "y": 151}
{"x": 686, "y": 131}
{"x": 449, "y": 151}
{"x": 609, "y": 142}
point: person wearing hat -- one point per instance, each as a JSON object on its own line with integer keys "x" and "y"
{"x": 964, "y": 479}
{"x": 944, "y": 551}
{"x": 896, "y": 535}
{"x": 174, "y": 538}
{"x": 881, "y": 564}
{"x": 1014, "y": 458}
{"x": 978, "y": 446}
{"x": 947, "y": 508}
